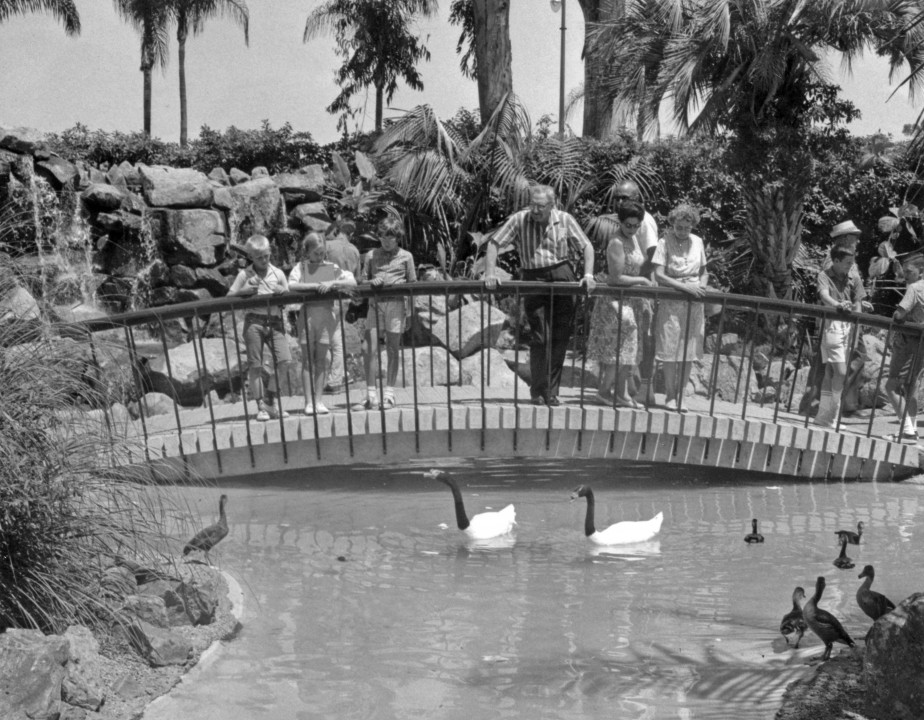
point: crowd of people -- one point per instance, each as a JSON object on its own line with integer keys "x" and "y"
{"x": 629, "y": 338}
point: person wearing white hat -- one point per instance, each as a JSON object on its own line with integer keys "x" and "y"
{"x": 845, "y": 228}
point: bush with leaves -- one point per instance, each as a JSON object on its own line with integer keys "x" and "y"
{"x": 68, "y": 501}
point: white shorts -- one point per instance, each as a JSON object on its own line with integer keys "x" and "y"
{"x": 836, "y": 341}
{"x": 387, "y": 316}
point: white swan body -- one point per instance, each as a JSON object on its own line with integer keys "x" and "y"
{"x": 482, "y": 526}
{"x": 621, "y": 533}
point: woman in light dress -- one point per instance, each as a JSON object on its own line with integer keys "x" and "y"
{"x": 680, "y": 263}
{"x": 616, "y": 325}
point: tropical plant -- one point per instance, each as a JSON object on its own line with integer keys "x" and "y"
{"x": 65, "y": 11}
{"x": 378, "y": 47}
{"x": 190, "y": 15}
{"x": 753, "y": 70}
{"x": 150, "y": 19}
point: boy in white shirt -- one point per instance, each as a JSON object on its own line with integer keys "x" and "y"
{"x": 906, "y": 363}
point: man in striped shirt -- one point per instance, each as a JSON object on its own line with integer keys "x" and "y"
{"x": 543, "y": 235}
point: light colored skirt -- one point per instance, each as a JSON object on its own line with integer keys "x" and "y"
{"x": 673, "y": 334}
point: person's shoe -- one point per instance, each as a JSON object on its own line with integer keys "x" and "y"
{"x": 370, "y": 403}
{"x": 321, "y": 409}
{"x": 537, "y": 400}
{"x": 263, "y": 416}
{"x": 309, "y": 409}
{"x": 553, "y": 401}
{"x": 273, "y": 413}
{"x": 902, "y": 437}
{"x": 671, "y": 405}
{"x": 388, "y": 401}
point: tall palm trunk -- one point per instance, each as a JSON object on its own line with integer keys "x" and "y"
{"x": 493, "y": 56}
{"x": 379, "y": 105}
{"x": 182, "y": 33}
{"x": 147, "y": 65}
{"x": 598, "y": 100}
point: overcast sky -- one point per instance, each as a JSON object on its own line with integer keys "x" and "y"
{"x": 51, "y": 82}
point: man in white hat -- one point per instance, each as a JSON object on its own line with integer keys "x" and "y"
{"x": 846, "y": 235}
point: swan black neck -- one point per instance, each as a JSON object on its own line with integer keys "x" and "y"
{"x": 589, "y": 528}
{"x": 843, "y": 548}
{"x": 819, "y": 589}
{"x": 754, "y": 526}
{"x": 461, "y": 517}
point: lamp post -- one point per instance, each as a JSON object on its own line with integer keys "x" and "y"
{"x": 556, "y": 6}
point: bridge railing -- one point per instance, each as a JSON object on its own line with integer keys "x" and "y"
{"x": 776, "y": 339}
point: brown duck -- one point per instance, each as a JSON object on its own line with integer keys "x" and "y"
{"x": 824, "y": 624}
{"x": 872, "y": 603}
{"x": 793, "y": 622}
{"x": 209, "y": 537}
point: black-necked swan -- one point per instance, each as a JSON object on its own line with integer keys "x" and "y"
{"x": 823, "y": 623}
{"x": 853, "y": 538}
{"x": 871, "y": 602}
{"x": 621, "y": 533}
{"x": 754, "y": 536}
{"x": 482, "y": 526}
{"x": 793, "y": 623}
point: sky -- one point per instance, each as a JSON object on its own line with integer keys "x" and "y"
{"x": 51, "y": 82}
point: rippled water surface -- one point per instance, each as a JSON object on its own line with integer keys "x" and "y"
{"x": 362, "y": 599}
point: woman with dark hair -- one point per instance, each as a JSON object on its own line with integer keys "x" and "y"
{"x": 680, "y": 263}
{"x": 616, "y": 325}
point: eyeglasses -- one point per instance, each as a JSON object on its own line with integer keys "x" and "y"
{"x": 632, "y": 226}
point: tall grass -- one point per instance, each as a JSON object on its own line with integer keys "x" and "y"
{"x": 68, "y": 501}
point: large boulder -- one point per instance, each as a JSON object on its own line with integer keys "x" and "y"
{"x": 196, "y": 370}
{"x": 158, "y": 646}
{"x": 311, "y": 216}
{"x": 22, "y": 140}
{"x": 175, "y": 187}
{"x": 469, "y": 328}
{"x": 58, "y": 172}
{"x": 496, "y": 373}
{"x": 257, "y": 209}
{"x": 101, "y": 197}
{"x": 80, "y": 687}
{"x": 305, "y": 186}
{"x": 190, "y": 237}
{"x": 31, "y": 674}
{"x": 893, "y": 663}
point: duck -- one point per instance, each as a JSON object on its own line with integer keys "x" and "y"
{"x": 824, "y": 624}
{"x": 754, "y": 536}
{"x": 482, "y": 526}
{"x": 874, "y": 604}
{"x": 842, "y": 561}
{"x": 209, "y": 537}
{"x": 793, "y": 622}
{"x": 621, "y": 533}
{"x": 853, "y": 538}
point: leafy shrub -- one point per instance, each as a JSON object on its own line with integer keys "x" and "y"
{"x": 66, "y": 507}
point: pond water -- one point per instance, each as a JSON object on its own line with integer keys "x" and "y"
{"x": 363, "y": 600}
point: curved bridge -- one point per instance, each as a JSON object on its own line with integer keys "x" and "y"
{"x": 480, "y": 412}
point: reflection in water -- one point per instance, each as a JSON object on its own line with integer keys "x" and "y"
{"x": 361, "y": 606}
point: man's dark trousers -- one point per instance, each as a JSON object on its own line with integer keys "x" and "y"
{"x": 551, "y": 320}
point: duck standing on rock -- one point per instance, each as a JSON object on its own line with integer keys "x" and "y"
{"x": 851, "y": 537}
{"x": 842, "y": 561}
{"x": 793, "y": 623}
{"x": 209, "y": 537}
{"x": 871, "y": 602}
{"x": 483, "y": 526}
{"x": 753, "y": 536}
{"x": 824, "y": 624}
{"x": 621, "y": 533}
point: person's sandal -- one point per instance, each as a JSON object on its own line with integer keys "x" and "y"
{"x": 263, "y": 416}
{"x": 388, "y": 401}
{"x": 370, "y": 403}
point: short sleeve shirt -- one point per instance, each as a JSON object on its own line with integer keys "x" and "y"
{"x": 647, "y": 234}
{"x": 266, "y": 285}
{"x": 540, "y": 245}
{"x": 850, "y": 288}
{"x": 393, "y": 268}
{"x": 680, "y": 260}
{"x": 913, "y": 302}
{"x": 323, "y": 272}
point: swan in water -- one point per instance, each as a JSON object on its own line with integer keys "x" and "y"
{"x": 482, "y": 526}
{"x": 842, "y": 561}
{"x": 621, "y": 533}
{"x": 823, "y": 623}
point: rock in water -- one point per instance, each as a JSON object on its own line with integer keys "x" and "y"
{"x": 892, "y": 667}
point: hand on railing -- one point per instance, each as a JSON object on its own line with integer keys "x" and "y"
{"x": 589, "y": 282}
{"x": 491, "y": 282}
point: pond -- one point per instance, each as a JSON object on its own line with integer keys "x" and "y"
{"x": 363, "y": 600}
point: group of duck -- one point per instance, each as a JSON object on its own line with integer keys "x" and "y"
{"x": 824, "y": 624}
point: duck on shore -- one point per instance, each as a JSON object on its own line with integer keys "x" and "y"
{"x": 621, "y": 533}
{"x": 793, "y": 623}
{"x": 824, "y": 624}
{"x": 209, "y": 537}
{"x": 874, "y": 604}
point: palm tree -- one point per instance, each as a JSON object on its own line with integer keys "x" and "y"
{"x": 377, "y": 44}
{"x": 63, "y": 10}
{"x": 150, "y": 18}
{"x": 191, "y": 15}
{"x": 752, "y": 69}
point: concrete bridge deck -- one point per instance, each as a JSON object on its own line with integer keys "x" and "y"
{"x": 457, "y": 423}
